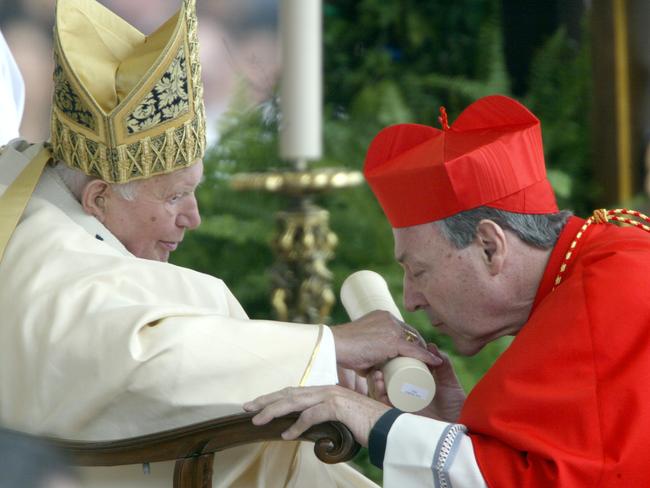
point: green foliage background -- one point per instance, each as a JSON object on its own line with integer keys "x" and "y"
{"x": 386, "y": 63}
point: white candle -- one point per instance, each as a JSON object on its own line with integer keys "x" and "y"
{"x": 301, "y": 84}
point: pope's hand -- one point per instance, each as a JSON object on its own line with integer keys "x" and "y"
{"x": 376, "y": 337}
{"x": 319, "y": 404}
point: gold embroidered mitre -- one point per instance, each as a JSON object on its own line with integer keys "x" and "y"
{"x": 126, "y": 106}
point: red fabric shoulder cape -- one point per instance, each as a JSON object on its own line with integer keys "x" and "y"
{"x": 568, "y": 404}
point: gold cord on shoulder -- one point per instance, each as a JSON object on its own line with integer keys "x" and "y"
{"x": 602, "y": 216}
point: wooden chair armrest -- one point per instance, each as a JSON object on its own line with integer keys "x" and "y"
{"x": 193, "y": 446}
{"x": 333, "y": 441}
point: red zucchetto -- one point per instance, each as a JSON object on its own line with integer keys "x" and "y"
{"x": 492, "y": 155}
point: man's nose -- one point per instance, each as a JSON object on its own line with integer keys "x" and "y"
{"x": 412, "y": 298}
{"x": 189, "y": 217}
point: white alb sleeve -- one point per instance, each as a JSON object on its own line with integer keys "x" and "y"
{"x": 423, "y": 452}
{"x": 323, "y": 370}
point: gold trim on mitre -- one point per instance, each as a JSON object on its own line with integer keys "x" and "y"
{"x": 126, "y": 106}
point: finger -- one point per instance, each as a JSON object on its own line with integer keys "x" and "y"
{"x": 416, "y": 352}
{"x": 287, "y": 401}
{"x": 361, "y": 385}
{"x": 272, "y": 411}
{"x": 411, "y": 334}
{"x": 444, "y": 372}
{"x": 374, "y": 378}
{"x": 433, "y": 348}
{"x": 377, "y": 386}
{"x": 444, "y": 357}
{"x": 347, "y": 377}
{"x": 263, "y": 400}
{"x": 381, "y": 392}
{"x": 316, "y": 414}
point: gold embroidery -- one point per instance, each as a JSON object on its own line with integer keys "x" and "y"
{"x": 167, "y": 101}
{"x": 67, "y": 100}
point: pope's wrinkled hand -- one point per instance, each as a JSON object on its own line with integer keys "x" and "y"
{"x": 319, "y": 404}
{"x": 376, "y": 337}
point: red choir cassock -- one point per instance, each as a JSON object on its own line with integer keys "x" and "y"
{"x": 567, "y": 404}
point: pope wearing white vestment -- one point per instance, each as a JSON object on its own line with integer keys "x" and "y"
{"x": 98, "y": 343}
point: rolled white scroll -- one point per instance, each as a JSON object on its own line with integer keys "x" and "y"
{"x": 409, "y": 383}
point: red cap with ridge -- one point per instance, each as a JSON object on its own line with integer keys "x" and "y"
{"x": 492, "y": 156}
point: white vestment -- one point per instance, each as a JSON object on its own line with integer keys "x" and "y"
{"x": 98, "y": 344}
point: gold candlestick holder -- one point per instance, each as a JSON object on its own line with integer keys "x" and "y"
{"x": 304, "y": 243}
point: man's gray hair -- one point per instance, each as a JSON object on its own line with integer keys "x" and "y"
{"x": 77, "y": 180}
{"x": 538, "y": 230}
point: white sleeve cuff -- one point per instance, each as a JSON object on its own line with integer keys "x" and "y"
{"x": 424, "y": 452}
{"x": 323, "y": 369}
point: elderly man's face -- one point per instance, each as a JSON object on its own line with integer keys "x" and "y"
{"x": 153, "y": 224}
{"x": 451, "y": 285}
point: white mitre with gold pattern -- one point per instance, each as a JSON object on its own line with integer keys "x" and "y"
{"x": 126, "y": 106}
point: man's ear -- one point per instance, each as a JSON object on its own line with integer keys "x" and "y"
{"x": 94, "y": 198}
{"x": 493, "y": 244}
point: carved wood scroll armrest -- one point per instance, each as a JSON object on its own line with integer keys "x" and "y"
{"x": 334, "y": 442}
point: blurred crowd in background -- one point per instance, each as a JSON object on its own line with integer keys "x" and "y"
{"x": 238, "y": 43}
